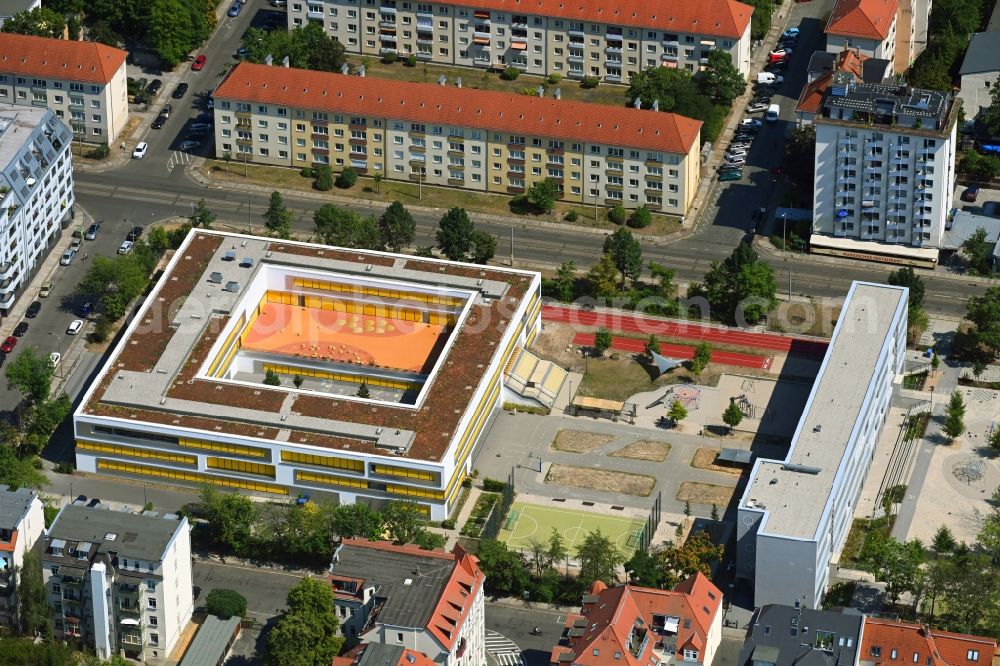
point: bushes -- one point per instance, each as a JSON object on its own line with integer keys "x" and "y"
{"x": 640, "y": 218}
{"x": 101, "y": 152}
{"x": 571, "y": 216}
{"x": 493, "y": 486}
{"x": 411, "y": 61}
{"x": 390, "y": 57}
{"x": 510, "y": 74}
{"x": 306, "y": 172}
{"x": 553, "y": 78}
{"x": 347, "y": 178}
{"x": 521, "y": 205}
{"x": 618, "y": 214}
{"x": 324, "y": 177}
{"x": 225, "y": 603}
{"x": 589, "y": 82}
{"x": 448, "y": 524}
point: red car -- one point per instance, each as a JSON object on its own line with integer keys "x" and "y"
{"x": 198, "y": 63}
{"x": 8, "y": 344}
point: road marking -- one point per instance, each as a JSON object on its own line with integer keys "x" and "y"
{"x": 504, "y": 650}
{"x": 178, "y": 158}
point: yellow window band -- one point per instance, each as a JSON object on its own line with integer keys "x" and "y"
{"x": 237, "y": 449}
{"x": 405, "y": 472}
{"x": 327, "y": 479}
{"x": 244, "y": 466}
{"x": 133, "y": 452}
{"x": 323, "y": 461}
{"x": 191, "y": 477}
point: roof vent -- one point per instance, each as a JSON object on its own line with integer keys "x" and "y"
{"x": 408, "y": 581}
{"x": 818, "y": 428}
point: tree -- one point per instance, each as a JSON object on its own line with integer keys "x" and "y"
{"x": 307, "y": 634}
{"x": 677, "y": 92}
{"x": 740, "y": 290}
{"x": 602, "y": 340}
{"x": 943, "y": 542}
{"x": 989, "y": 117}
{"x": 618, "y": 214}
{"x": 297, "y": 381}
{"x": 935, "y": 361}
{"x": 113, "y": 283}
{"x": 599, "y": 559}
{"x": 322, "y": 177}
{"x": 227, "y": 156}
{"x": 225, "y": 603}
{"x": 995, "y": 440}
{"x": 343, "y": 227}
{"x": 603, "y": 277}
{"x": 906, "y": 277}
{"x": 799, "y": 163}
{"x": 504, "y": 569}
{"x": 32, "y": 602}
{"x": 232, "y": 517}
{"x": 377, "y": 178}
{"x": 277, "y": 218}
{"x": 158, "y": 239}
{"x": 695, "y": 555}
{"x": 956, "y": 403}
{"x": 271, "y": 378}
{"x": 358, "y": 520}
{"x": 17, "y": 472}
{"x": 978, "y": 250}
{"x": 984, "y": 312}
{"x": 687, "y": 508}
{"x": 308, "y": 47}
{"x": 954, "y": 422}
{"x": 403, "y": 521}
{"x": 891, "y": 562}
{"x": 396, "y": 227}
{"x": 171, "y": 31}
{"x": 201, "y": 215}
{"x": 347, "y": 179}
{"x": 715, "y": 512}
{"x": 702, "y": 357}
{"x": 565, "y": 282}
{"x": 652, "y": 345}
{"x": 643, "y": 569}
{"x": 626, "y": 254}
{"x": 557, "y": 548}
{"x": 484, "y": 246}
{"x": 31, "y": 374}
{"x": 40, "y": 22}
{"x": 454, "y": 234}
{"x": 732, "y": 416}
{"x": 640, "y": 218}
{"x": 363, "y": 391}
{"x": 677, "y": 412}
{"x": 720, "y": 79}
{"x": 543, "y": 194}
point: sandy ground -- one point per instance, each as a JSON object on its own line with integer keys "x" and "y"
{"x": 580, "y": 441}
{"x": 600, "y": 479}
{"x": 644, "y": 449}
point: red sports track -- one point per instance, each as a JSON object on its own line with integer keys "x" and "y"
{"x": 679, "y": 351}
{"x": 618, "y": 322}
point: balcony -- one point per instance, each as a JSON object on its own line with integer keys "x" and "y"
{"x": 244, "y": 142}
{"x": 74, "y": 106}
{"x": 387, "y": 24}
{"x": 387, "y": 49}
{"x": 357, "y": 142}
{"x": 427, "y": 55}
{"x": 131, "y": 638}
{"x": 514, "y": 189}
{"x": 612, "y": 50}
{"x": 386, "y": 37}
{"x": 391, "y": 11}
{"x": 481, "y": 34}
{"x": 671, "y": 57}
{"x": 359, "y": 157}
{"x": 613, "y": 36}
{"x": 320, "y": 151}
{"x": 314, "y": 16}
{"x": 576, "y": 33}
{"x": 575, "y": 58}
{"x": 425, "y": 39}
{"x": 456, "y": 153}
{"x": 613, "y": 78}
{"x": 457, "y": 182}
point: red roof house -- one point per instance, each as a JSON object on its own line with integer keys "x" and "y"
{"x": 891, "y": 643}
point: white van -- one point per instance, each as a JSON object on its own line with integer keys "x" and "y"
{"x": 768, "y": 78}
{"x": 773, "y": 112}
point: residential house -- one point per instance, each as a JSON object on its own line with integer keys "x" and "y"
{"x": 634, "y": 625}
{"x": 866, "y": 26}
{"x": 84, "y": 83}
{"x": 118, "y": 582}
{"x": 380, "y": 654}
{"x": 889, "y": 642}
{"x": 608, "y": 42}
{"x": 429, "y": 602}
{"x": 22, "y": 522}
{"x": 823, "y": 65}
{"x": 980, "y": 71}
{"x": 794, "y": 635}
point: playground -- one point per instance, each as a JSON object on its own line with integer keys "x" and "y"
{"x": 534, "y": 522}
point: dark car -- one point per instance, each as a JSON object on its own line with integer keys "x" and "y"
{"x": 234, "y": 11}
{"x": 159, "y": 122}
{"x": 154, "y": 87}
{"x": 971, "y": 193}
{"x": 180, "y": 90}
{"x": 94, "y": 502}
{"x": 85, "y": 309}
{"x": 134, "y": 234}
{"x": 80, "y": 498}
{"x": 21, "y": 329}
{"x": 33, "y": 310}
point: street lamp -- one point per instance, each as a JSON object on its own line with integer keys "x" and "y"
{"x": 59, "y": 349}
{"x": 597, "y": 191}
{"x": 249, "y": 215}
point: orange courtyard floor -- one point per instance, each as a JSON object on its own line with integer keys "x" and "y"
{"x": 341, "y": 337}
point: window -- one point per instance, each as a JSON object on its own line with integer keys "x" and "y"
{"x": 154, "y": 639}
{"x": 152, "y": 621}
{"x": 894, "y": 653}
{"x": 972, "y": 655}
{"x": 399, "y": 637}
{"x": 151, "y": 586}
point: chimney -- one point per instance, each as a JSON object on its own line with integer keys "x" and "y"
{"x": 637, "y": 104}
{"x": 268, "y": 59}
{"x": 656, "y": 105}
{"x": 541, "y": 90}
{"x": 558, "y": 93}
{"x": 458, "y": 82}
{"x": 345, "y": 68}
{"x": 285, "y": 62}
{"x": 442, "y": 80}
{"x": 361, "y": 70}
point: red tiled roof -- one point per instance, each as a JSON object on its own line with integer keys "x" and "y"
{"x": 724, "y": 18}
{"x": 870, "y": 19}
{"x": 812, "y": 94}
{"x": 610, "y": 620}
{"x": 408, "y": 658}
{"x": 89, "y": 62}
{"x": 431, "y": 103}
{"x": 9, "y": 546}
{"x": 456, "y": 600}
{"x": 941, "y": 647}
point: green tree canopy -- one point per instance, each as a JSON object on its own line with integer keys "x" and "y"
{"x": 277, "y": 218}
{"x": 396, "y": 227}
{"x": 678, "y": 92}
{"x": 565, "y": 282}
{"x": 626, "y": 254}
{"x": 504, "y": 569}
{"x": 677, "y": 562}
{"x": 905, "y": 277}
{"x": 307, "y": 634}
{"x": 454, "y": 234}
{"x": 599, "y": 559}
{"x": 740, "y": 285}
{"x": 543, "y": 194}
{"x": 358, "y": 520}
{"x": 978, "y": 250}
{"x": 40, "y": 22}
{"x": 603, "y": 277}
{"x": 733, "y": 415}
{"x": 31, "y": 374}
{"x": 891, "y": 562}
{"x": 677, "y": 412}
{"x": 702, "y": 357}
{"x": 32, "y": 596}
{"x": 984, "y": 312}
{"x": 225, "y": 603}
{"x": 17, "y": 472}
{"x": 720, "y": 78}
{"x": 232, "y": 517}
{"x": 307, "y": 47}
{"x": 484, "y": 246}
{"x": 171, "y": 31}
{"x": 800, "y": 151}
{"x": 602, "y": 340}
{"x": 112, "y": 283}
{"x": 201, "y": 215}
{"x": 944, "y": 541}
{"x": 403, "y": 521}
{"x": 343, "y": 227}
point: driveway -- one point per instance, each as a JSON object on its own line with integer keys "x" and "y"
{"x": 265, "y": 589}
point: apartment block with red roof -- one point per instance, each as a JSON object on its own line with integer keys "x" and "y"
{"x": 411, "y": 600}
{"x": 824, "y": 66}
{"x": 22, "y": 522}
{"x": 633, "y": 625}
{"x": 574, "y": 38}
{"x": 891, "y": 643}
{"x": 84, "y": 83}
{"x": 472, "y": 139}
{"x": 865, "y": 26}
{"x": 378, "y": 654}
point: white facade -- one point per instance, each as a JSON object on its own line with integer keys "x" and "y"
{"x": 36, "y": 193}
{"x": 795, "y": 513}
{"x": 882, "y": 182}
{"x": 873, "y": 48}
{"x": 107, "y": 595}
{"x": 22, "y": 521}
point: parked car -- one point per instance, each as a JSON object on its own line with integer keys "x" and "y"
{"x": 154, "y": 87}
{"x": 234, "y": 11}
{"x": 774, "y": 58}
{"x": 159, "y": 122}
{"x": 94, "y": 503}
{"x": 791, "y": 32}
{"x": 180, "y": 90}
{"x": 134, "y": 234}
{"x": 736, "y": 152}
{"x": 85, "y": 309}
{"x": 731, "y": 175}
{"x": 199, "y": 63}
{"x": 190, "y": 144}
{"x": 45, "y": 291}
{"x": 67, "y": 257}
{"x": 140, "y": 150}
{"x": 166, "y": 110}
{"x": 54, "y": 359}
{"x": 756, "y": 107}
{"x": 8, "y": 344}
{"x": 125, "y": 247}
{"x": 20, "y": 329}
{"x": 33, "y": 310}
{"x": 241, "y": 53}
{"x": 750, "y": 124}
{"x": 200, "y": 126}
{"x": 971, "y": 193}
{"x": 780, "y": 52}
{"x": 92, "y": 231}
{"x": 74, "y": 327}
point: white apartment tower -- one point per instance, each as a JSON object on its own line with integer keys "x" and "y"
{"x": 119, "y": 582}
{"x": 36, "y": 193}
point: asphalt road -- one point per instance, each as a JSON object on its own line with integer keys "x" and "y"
{"x": 516, "y": 621}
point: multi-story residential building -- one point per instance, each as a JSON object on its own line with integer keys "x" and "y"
{"x": 22, "y": 522}
{"x": 36, "y": 193}
{"x": 792, "y": 634}
{"x": 84, "y": 83}
{"x": 119, "y": 582}
{"x": 867, "y": 26}
{"x": 980, "y": 71}
{"x": 823, "y": 66}
{"x": 889, "y": 642}
{"x": 544, "y": 37}
{"x": 378, "y": 654}
{"x": 633, "y": 626}
{"x": 795, "y": 513}
{"x": 429, "y": 602}
{"x": 885, "y": 170}
{"x": 185, "y": 404}
{"x": 474, "y": 139}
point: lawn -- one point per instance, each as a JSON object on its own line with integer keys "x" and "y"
{"x": 915, "y": 381}
{"x": 427, "y": 196}
{"x": 614, "y": 380}
{"x": 527, "y": 523}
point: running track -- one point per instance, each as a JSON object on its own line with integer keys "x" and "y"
{"x": 679, "y": 351}
{"x": 618, "y": 322}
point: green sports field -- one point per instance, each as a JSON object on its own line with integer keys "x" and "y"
{"x": 534, "y": 522}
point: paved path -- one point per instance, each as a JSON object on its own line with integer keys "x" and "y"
{"x": 503, "y": 650}
{"x": 679, "y": 351}
{"x": 620, "y": 322}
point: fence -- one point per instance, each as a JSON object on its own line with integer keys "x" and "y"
{"x": 652, "y": 521}
{"x": 494, "y": 521}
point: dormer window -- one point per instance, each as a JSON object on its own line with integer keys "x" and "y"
{"x": 972, "y": 655}
{"x": 876, "y": 651}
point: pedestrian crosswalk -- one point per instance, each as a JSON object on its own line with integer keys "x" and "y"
{"x": 503, "y": 650}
